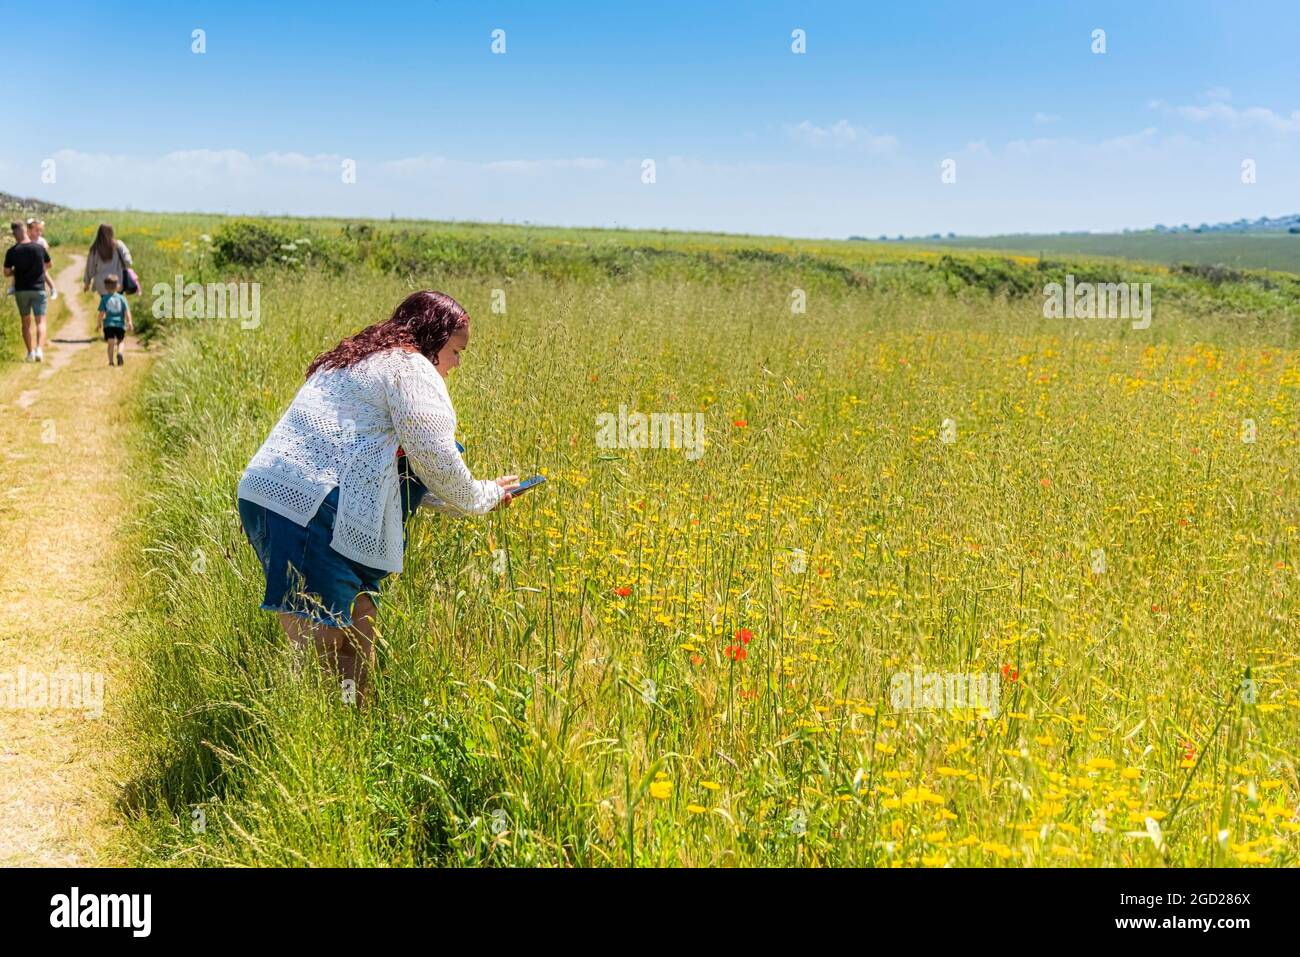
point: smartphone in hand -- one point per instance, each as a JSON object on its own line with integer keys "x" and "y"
{"x": 526, "y": 484}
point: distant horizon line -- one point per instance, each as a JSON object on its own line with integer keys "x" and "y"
{"x": 1180, "y": 228}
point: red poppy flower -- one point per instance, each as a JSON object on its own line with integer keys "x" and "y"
{"x": 744, "y": 634}
{"x": 623, "y": 592}
{"x": 740, "y": 423}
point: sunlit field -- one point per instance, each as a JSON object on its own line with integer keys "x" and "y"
{"x": 662, "y": 659}
{"x": 1266, "y": 250}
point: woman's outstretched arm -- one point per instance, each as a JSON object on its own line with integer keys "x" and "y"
{"x": 425, "y": 424}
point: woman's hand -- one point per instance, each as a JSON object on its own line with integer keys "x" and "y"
{"x": 509, "y": 483}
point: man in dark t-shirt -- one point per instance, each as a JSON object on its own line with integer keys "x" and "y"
{"x": 27, "y": 263}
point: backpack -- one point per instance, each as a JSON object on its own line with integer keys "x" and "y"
{"x": 120, "y": 316}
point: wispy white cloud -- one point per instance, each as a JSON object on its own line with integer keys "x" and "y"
{"x": 1046, "y": 118}
{"x": 534, "y": 167}
{"x": 689, "y": 191}
{"x": 229, "y": 180}
{"x": 1064, "y": 181}
{"x": 1146, "y": 140}
{"x": 299, "y": 161}
{"x": 1216, "y": 108}
{"x": 413, "y": 165}
{"x": 200, "y": 161}
{"x": 841, "y": 134}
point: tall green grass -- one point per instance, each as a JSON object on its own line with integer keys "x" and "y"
{"x": 512, "y": 721}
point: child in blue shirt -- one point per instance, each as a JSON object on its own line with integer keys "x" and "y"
{"x": 114, "y": 319}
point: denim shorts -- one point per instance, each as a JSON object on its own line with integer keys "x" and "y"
{"x": 305, "y": 576}
{"x": 31, "y": 302}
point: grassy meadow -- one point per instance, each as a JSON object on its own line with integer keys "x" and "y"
{"x": 1263, "y": 250}
{"x": 658, "y": 661}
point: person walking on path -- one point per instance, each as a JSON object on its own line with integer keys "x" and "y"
{"x": 108, "y": 256}
{"x": 28, "y": 263}
{"x": 114, "y": 319}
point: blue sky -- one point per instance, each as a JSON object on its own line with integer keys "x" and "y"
{"x": 745, "y": 135}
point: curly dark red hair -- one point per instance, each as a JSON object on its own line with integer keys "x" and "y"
{"x": 423, "y": 323}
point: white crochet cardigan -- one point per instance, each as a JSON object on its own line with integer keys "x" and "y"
{"x": 343, "y": 429}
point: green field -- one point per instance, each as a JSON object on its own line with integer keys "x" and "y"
{"x": 1275, "y": 251}
{"x": 919, "y": 471}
